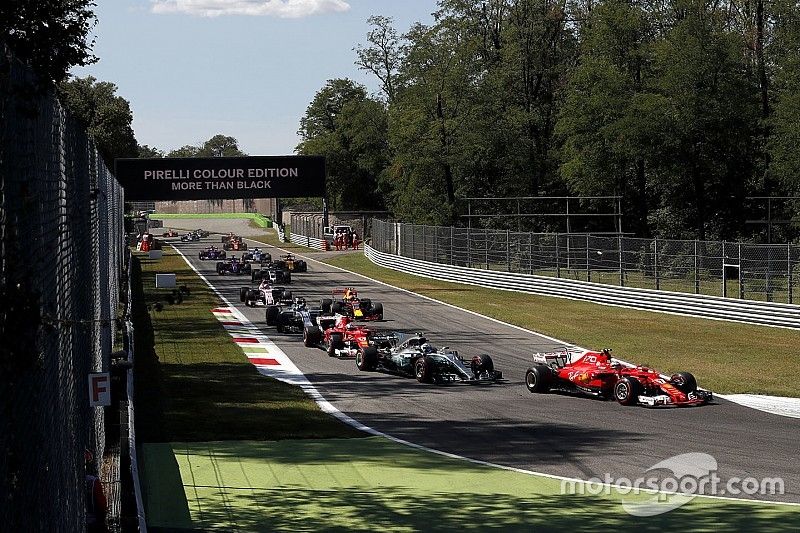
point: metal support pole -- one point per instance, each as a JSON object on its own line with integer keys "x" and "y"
{"x": 655, "y": 264}
{"x": 324, "y": 212}
{"x": 452, "y": 229}
{"x": 558, "y": 260}
{"x": 621, "y": 262}
{"x": 530, "y": 253}
{"x": 413, "y": 246}
{"x": 486, "y": 246}
{"x": 508, "y": 250}
{"x": 789, "y": 270}
{"x": 741, "y": 277}
{"x": 469, "y": 247}
{"x": 588, "y": 270}
{"x": 724, "y": 273}
{"x": 696, "y": 270}
{"x": 424, "y": 243}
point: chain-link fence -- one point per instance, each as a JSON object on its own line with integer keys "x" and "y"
{"x": 311, "y": 225}
{"x": 62, "y": 250}
{"x": 738, "y": 270}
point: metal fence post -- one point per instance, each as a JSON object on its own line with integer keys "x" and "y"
{"x": 696, "y": 270}
{"x": 724, "y": 273}
{"x": 655, "y": 263}
{"x": 621, "y": 263}
{"x": 413, "y": 245}
{"x": 486, "y": 246}
{"x": 558, "y": 260}
{"x": 469, "y": 247}
{"x": 789, "y": 270}
{"x": 508, "y": 250}
{"x": 741, "y": 276}
{"x": 588, "y": 270}
{"x": 452, "y": 229}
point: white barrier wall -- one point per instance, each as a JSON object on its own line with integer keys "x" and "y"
{"x": 712, "y": 307}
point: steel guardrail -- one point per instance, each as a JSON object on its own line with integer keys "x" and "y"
{"x": 308, "y": 242}
{"x": 695, "y": 305}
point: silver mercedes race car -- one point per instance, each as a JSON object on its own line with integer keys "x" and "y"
{"x": 414, "y": 356}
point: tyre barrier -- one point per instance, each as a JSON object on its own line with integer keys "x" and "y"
{"x": 694, "y": 305}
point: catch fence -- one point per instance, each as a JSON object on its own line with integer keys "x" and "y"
{"x": 61, "y": 233}
{"x": 768, "y": 273}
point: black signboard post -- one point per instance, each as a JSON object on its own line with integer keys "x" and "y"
{"x": 212, "y": 178}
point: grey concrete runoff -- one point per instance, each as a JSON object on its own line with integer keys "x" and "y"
{"x": 503, "y": 423}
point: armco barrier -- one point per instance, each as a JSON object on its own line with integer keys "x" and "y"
{"x": 713, "y": 307}
{"x": 310, "y": 242}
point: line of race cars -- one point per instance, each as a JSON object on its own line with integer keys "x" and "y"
{"x": 332, "y": 325}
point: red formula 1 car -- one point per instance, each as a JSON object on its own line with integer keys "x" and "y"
{"x": 340, "y": 336}
{"x": 233, "y": 242}
{"x": 598, "y": 374}
{"x": 351, "y": 305}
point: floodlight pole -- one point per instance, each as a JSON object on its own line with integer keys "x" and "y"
{"x": 324, "y": 211}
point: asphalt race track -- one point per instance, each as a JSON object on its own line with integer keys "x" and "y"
{"x": 502, "y": 423}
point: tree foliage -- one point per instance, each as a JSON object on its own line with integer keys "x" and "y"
{"x": 52, "y": 35}
{"x": 107, "y": 117}
{"x": 683, "y": 108}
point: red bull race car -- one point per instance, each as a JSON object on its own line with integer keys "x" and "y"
{"x": 599, "y": 375}
{"x": 351, "y": 305}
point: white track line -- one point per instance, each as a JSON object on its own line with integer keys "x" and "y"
{"x": 302, "y": 381}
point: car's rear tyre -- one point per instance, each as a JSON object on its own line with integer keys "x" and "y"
{"x": 423, "y": 369}
{"x": 377, "y": 310}
{"x": 627, "y": 390}
{"x": 367, "y": 359}
{"x": 287, "y": 296}
{"x": 326, "y": 305}
{"x": 312, "y": 336}
{"x": 684, "y": 382}
{"x": 335, "y": 343}
{"x": 537, "y": 378}
{"x": 283, "y": 321}
{"x": 243, "y": 293}
{"x": 272, "y": 315}
{"x": 220, "y": 268}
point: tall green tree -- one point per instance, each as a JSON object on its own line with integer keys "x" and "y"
{"x": 52, "y": 35}
{"x": 107, "y": 116}
{"x": 350, "y": 130}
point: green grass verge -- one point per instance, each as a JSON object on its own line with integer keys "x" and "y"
{"x": 193, "y": 383}
{"x": 261, "y": 219}
{"x": 725, "y": 357}
{"x": 374, "y": 484}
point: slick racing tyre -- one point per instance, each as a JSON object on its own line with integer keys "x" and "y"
{"x": 537, "y": 378}
{"x": 337, "y": 308}
{"x": 627, "y": 390}
{"x": 377, "y": 311}
{"x": 272, "y": 315}
{"x": 684, "y": 382}
{"x": 326, "y": 305}
{"x": 423, "y": 369}
{"x": 312, "y": 336}
{"x": 335, "y": 343}
{"x": 367, "y": 359}
{"x": 243, "y": 293}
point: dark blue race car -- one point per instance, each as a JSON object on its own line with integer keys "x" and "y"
{"x": 233, "y": 266}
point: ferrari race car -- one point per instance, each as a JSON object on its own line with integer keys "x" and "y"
{"x": 257, "y": 256}
{"x": 233, "y": 266}
{"x": 233, "y": 242}
{"x": 170, "y": 233}
{"x": 293, "y": 264}
{"x": 340, "y": 336}
{"x": 598, "y": 374}
{"x": 353, "y": 306}
{"x": 211, "y": 253}
{"x": 265, "y": 294}
{"x": 272, "y": 273}
{"x": 413, "y": 356}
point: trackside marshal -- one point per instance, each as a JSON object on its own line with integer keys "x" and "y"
{"x": 199, "y": 178}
